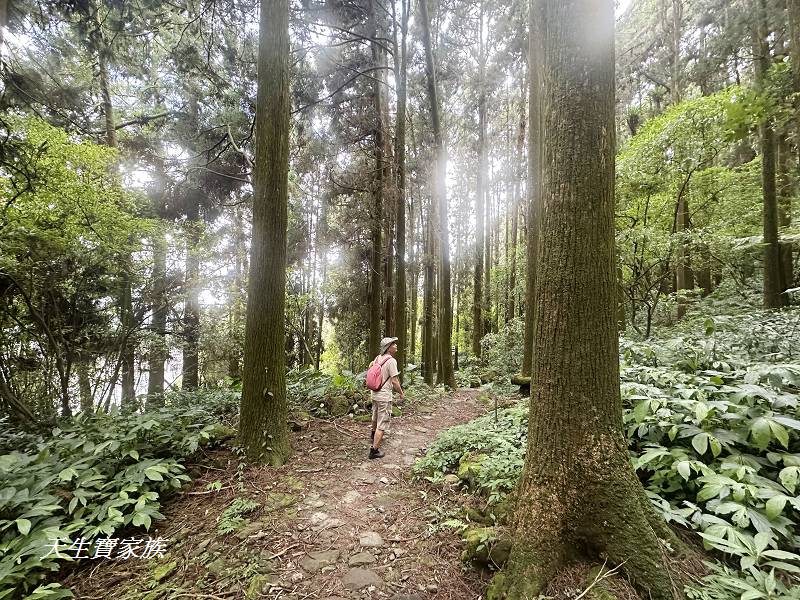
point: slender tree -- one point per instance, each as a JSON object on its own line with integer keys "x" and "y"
{"x": 445, "y": 313}
{"x": 578, "y": 495}
{"x": 401, "y": 76}
{"x": 262, "y": 430}
{"x": 480, "y": 197}
{"x": 771, "y": 257}
{"x": 376, "y": 258}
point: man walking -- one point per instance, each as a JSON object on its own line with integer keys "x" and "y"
{"x": 382, "y": 399}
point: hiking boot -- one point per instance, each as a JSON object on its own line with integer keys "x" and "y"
{"x": 376, "y": 453}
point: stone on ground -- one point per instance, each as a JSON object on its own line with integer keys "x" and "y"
{"x": 357, "y": 579}
{"x": 370, "y": 539}
{"x": 316, "y": 560}
{"x": 361, "y": 559}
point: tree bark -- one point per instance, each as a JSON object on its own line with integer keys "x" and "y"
{"x": 533, "y": 186}
{"x": 262, "y": 430}
{"x": 376, "y": 261}
{"x": 428, "y": 305}
{"x": 158, "y": 324}
{"x": 400, "y": 324}
{"x": 480, "y": 198}
{"x": 771, "y": 256}
{"x": 578, "y": 496}
{"x": 445, "y": 314}
{"x": 191, "y": 312}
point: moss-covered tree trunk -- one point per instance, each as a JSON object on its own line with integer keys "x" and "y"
{"x": 771, "y": 256}
{"x": 262, "y": 429}
{"x": 578, "y": 497}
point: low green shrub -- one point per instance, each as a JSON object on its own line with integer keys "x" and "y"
{"x": 92, "y": 476}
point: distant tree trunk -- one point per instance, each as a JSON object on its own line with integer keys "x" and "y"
{"x": 784, "y": 192}
{"x": 191, "y": 311}
{"x": 480, "y": 198}
{"x": 400, "y": 160}
{"x": 771, "y": 258}
{"x": 262, "y": 429}
{"x": 518, "y": 159}
{"x": 487, "y": 261}
{"x": 533, "y": 187}
{"x": 376, "y": 263}
{"x": 158, "y": 323}
{"x": 578, "y": 497}
{"x": 793, "y": 7}
{"x": 428, "y": 351}
{"x": 322, "y": 243}
{"x": 85, "y": 387}
{"x": 237, "y": 296}
{"x": 445, "y": 330}
{"x": 125, "y": 293}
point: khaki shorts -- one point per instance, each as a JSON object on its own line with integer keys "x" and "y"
{"x": 382, "y": 415}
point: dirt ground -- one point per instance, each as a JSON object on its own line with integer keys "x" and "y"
{"x": 330, "y": 524}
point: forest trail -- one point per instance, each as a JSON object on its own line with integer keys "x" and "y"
{"x": 331, "y": 524}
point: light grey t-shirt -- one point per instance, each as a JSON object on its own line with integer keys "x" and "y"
{"x": 388, "y": 370}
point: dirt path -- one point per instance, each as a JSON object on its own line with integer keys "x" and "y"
{"x": 330, "y": 524}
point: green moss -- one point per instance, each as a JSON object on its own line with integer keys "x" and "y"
{"x": 256, "y": 586}
{"x": 483, "y": 547}
{"x": 469, "y": 466}
{"x": 164, "y": 570}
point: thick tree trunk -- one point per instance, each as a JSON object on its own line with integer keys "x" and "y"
{"x": 578, "y": 496}
{"x": 445, "y": 320}
{"x": 262, "y": 429}
{"x": 480, "y": 198}
{"x": 533, "y": 187}
{"x": 400, "y": 324}
{"x": 771, "y": 257}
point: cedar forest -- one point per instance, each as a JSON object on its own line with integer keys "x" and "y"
{"x": 579, "y": 218}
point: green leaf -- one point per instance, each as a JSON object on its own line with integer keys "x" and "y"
{"x": 684, "y": 469}
{"x": 700, "y": 443}
{"x": 780, "y": 433}
{"x": 24, "y": 526}
{"x": 153, "y": 474}
{"x": 760, "y": 432}
{"x": 788, "y": 477}
{"x": 775, "y": 506}
{"x": 134, "y": 454}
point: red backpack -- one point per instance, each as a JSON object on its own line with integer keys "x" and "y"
{"x": 374, "y": 380}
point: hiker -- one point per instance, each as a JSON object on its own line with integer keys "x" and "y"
{"x": 382, "y": 399}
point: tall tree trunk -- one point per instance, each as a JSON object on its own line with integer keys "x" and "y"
{"x": 3, "y": 21}
{"x": 125, "y": 294}
{"x": 784, "y": 191}
{"x": 85, "y": 387}
{"x": 445, "y": 314}
{"x": 428, "y": 305}
{"x": 158, "y": 323}
{"x": 793, "y": 7}
{"x": 578, "y": 497}
{"x": 237, "y": 296}
{"x": 400, "y": 325}
{"x": 771, "y": 257}
{"x": 533, "y": 187}
{"x": 518, "y": 159}
{"x": 480, "y": 198}
{"x": 376, "y": 262}
{"x": 262, "y": 429}
{"x": 191, "y": 312}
